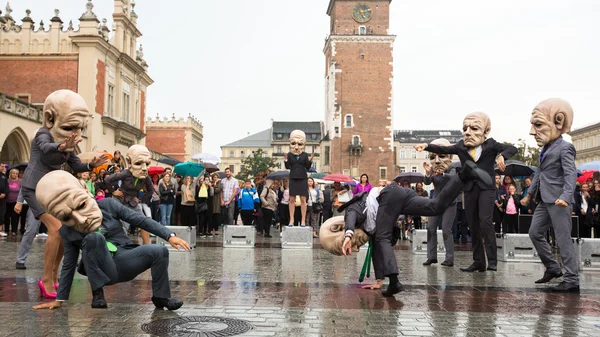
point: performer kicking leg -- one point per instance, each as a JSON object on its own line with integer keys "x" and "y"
{"x": 108, "y": 255}
{"x": 65, "y": 116}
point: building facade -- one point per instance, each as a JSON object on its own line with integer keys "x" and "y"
{"x": 358, "y": 89}
{"x": 176, "y": 138}
{"x": 407, "y": 158}
{"x": 587, "y": 143}
{"x": 104, "y": 66}
{"x": 280, "y": 140}
{"x": 234, "y": 153}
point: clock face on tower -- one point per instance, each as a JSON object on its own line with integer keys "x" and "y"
{"x": 362, "y": 13}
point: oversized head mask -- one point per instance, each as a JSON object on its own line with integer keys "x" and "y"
{"x": 297, "y": 142}
{"x": 331, "y": 236}
{"x": 440, "y": 162}
{"x": 65, "y": 113}
{"x": 63, "y": 197}
{"x": 550, "y": 119}
{"x": 138, "y": 159}
{"x": 476, "y": 128}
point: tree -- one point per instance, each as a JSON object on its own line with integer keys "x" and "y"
{"x": 255, "y": 164}
{"x": 530, "y": 155}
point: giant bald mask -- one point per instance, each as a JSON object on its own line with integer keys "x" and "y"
{"x": 331, "y": 236}
{"x": 63, "y": 197}
{"x": 65, "y": 113}
{"x": 297, "y": 142}
{"x": 476, "y": 128}
{"x": 138, "y": 159}
{"x": 440, "y": 162}
{"x": 550, "y": 119}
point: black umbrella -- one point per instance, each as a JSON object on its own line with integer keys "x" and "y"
{"x": 20, "y": 166}
{"x": 411, "y": 177}
{"x": 222, "y": 175}
{"x": 516, "y": 168}
{"x": 278, "y": 175}
{"x": 210, "y": 168}
{"x": 169, "y": 161}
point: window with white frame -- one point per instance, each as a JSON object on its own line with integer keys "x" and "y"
{"x": 413, "y": 169}
{"x": 126, "y": 107}
{"x": 413, "y": 154}
{"x": 402, "y": 154}
{"x": 110, "y": 102}
{"x": 362, "y": 30}
{"x": 231, "y": 154}
{"x": 346, "y": 172}
{"x": 382, "y": 172}
{"x": 355, "y": 140}
{"x": 279, "y": 149}
{"x": 402, "y": 169}
{"x": 348, "y": 122}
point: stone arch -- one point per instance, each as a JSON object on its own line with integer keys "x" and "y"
{"x": 46, "y": 46}
{"x": 16, "y": 148}
{"x": 35, "y": 46}
{"x": 64, "y": 46}
{"x": 18, "y": 48}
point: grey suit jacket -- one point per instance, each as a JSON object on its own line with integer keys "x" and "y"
{"x": 45, "y": 158}
{"x": 112, "y": 214}
{"x": 440, "y": 181}
{"x": 556, "y": 175}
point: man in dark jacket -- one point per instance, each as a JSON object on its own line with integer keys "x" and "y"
{"x": 479, "y": 196}
{"x": 108, "y": 255}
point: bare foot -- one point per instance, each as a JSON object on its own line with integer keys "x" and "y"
{"x": 377, "y": 285}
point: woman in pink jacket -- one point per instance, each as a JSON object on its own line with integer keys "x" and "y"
{"x": 364, "y": 185}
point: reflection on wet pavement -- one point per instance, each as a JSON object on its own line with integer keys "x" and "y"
{"x": 308, "y": 292}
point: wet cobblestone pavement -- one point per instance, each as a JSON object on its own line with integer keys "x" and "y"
{"x": 306, "y": 293}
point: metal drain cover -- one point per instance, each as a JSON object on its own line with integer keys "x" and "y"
{"x": 197, "y": 326}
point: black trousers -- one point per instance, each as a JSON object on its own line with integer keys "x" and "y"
{"x": 11, "y": 218}
{"x": 510, "y": 223}
{"x": 103, "y": 269}
{"x": 247, "y": 217}
{"x": 3, "y": 213}
{"x": 284, "y": 215}
{"x": 266, "y": 221}
{"x": 216, "y": 220}
{"x": 188, "y": 216}
{"x": 395, "y": 200}
{"x": 479, "y": 206}
{"x": 203, "y": 222}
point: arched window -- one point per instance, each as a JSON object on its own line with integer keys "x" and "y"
{"x": 355, "y": 140}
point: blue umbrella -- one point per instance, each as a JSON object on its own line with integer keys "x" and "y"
{"x": 591, "y": 166}
{"x": 188, "y": 169}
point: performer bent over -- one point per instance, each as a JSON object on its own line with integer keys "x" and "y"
{"x": 553, "y": 189}
{"x": 479, "y": 197}
{"x": 108, "y": 255}
{"x": 395, "y": 200}
{"x": 65, "y": 116}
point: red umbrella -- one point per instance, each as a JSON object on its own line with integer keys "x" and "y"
{"x": 152, "y": 170}
{"x": 585, "y": 175}
{"x": 337, "y": 177}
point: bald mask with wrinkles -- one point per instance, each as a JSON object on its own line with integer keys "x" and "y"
{"x": 440, "y": 162}
{"x": 139, "y": 159}
{"x": 550, "y": 119}
{"x": 65, "y": 113}
{"x": 331, "y": 236}
{"x": 63, "y": 197}
{"x": 297, "y": 142}
{"x": 476, "y": 128}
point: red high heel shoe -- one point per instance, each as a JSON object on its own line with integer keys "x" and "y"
{"x": 56, "y": 286}
{"x": 43, "y": 291}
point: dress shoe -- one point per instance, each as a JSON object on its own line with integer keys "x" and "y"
{"x": 98, "y": 301}
{"x": 169, "y": 303}
{"x": 473, "y": 268}
{"x": 564, "y": 287}
{"x": 268, "y": 236}
{"x": 43, "y": 291}
{"x": 429, "y": 261}
{"x": 470, "y": 171}
{"x": 392, "y": 289}
{"x": 492, "y": 268}
{"x": 448, "y": 264}
{"x": 20, "y": 265}
{"x": 548, "y": 276}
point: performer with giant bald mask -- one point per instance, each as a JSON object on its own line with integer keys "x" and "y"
{"x": 393, "y": 201}
{"x": 134, "y": 180}
{"x": 438, "y": 171}
{"x": 553, "y": 188}
{"x": 479, "y": 196}
{"x": 298, "y": 162}
{"x": 108, "y": 255}
{"x": 65, "y": 116}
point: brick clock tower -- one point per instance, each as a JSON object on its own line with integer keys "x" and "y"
{"x": 358, "y": 89}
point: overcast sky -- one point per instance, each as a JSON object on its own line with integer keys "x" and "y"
{"x": 236, "y": 64}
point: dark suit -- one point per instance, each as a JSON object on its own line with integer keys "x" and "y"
{"x": 479, "y": 197}
{"x": 555, "y": 179}
{"x": 130, "y": 186}
{"x": 130, "y": 260}
{"x": 45, "y": 158}
{"x": 298, "y": 167}
{"x": 395, "y": 200}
